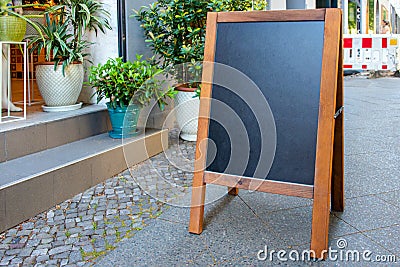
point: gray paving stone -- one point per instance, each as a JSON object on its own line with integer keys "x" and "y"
{"x": 39, "y": 252}
{"x": 23, "y": 233}
{"x": 44, "y": 236}
{"x": 59, "y": 218}
{"x": 25, "y": 252}
{"x": 11, "y": 232}
{"x": 64, "y": 262}
{"x": 52, "y": 262}
{"x": 29, "y": 261}
{"x": 71, "y": 218}
{"x": 74, "y": 257}
{"x": 16, "y": 261}
{"x": 387, "y": 237}
{"x": 63, "y": 255}
{"x": 87, "y": 248}
{"x": 28, "y": 225}
{"x": 50, "y": 214}
{"x": 11, "y": 252}
{"x": 46, "y": 240}
{"x": 391, "y": 197}
{"x": 60, "y": 249}
{"x": 6, "y": 260}
{"x": 43, "y": 246}
{"x": 369, "y": 213}
{"x": 33, "y": 243}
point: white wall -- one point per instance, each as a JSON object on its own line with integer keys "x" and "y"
{"x": 276, "y": 4}
{"x": 364, "y": 19}
{"x": 106, "y": 46}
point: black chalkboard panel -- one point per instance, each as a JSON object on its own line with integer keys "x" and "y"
{"x": 283, "y": 59}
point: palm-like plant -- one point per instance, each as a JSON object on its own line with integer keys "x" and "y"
{"x": 85, "y": 15}
{"x": 57, "y": 43}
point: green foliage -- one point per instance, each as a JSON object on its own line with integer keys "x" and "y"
{"x": 67, "y": 234}
{"x": 57, "y": 43}
{"x": 85, "y": 15}
{"x": 175, "y": 29}
{"x": 120, "y": 81}
{"x": 238, "y": 5}
{"x": 64, "y": 30}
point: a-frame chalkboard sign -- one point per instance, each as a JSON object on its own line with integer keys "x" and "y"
{"x": 295, "y": 59}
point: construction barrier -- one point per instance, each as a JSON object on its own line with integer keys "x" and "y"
{"x": 371, "y": 51}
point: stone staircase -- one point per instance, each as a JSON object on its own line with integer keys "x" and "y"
{"x": 49, "y": 158}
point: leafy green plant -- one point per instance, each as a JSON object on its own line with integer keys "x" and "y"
{"x": 121, "y": 82}
{"x": 56, "y": 43}
{"x": 238, "y": 5}
{"x": 64, "y": 31}
{"x": 67, "y": 234}
{"x": 175, "y": 29}
{"x": 85, "y": 15}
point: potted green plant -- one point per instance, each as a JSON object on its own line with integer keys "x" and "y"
{"x": 13, "y": 21}
{"x": 175, "y": 31}
{"x": 60, "y": 78}
{"x": 128, "y": 86}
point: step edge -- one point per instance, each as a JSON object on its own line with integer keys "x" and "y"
{"x": 32, "y": 124}
{"x": 2, "y": 187}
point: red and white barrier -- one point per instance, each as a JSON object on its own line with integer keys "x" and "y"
{"x": 370, "y": 51}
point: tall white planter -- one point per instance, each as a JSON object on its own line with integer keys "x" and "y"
{"x": 187, "y": 113}
{"x": 59, "y": 92}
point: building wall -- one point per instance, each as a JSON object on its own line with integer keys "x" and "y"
{"x": 135, "y": 43}
{"x": 276, "y": 4}
{"x": 105, "y": 46}
{"x": 296, "y": 4}
{"x": 372, "y": 12}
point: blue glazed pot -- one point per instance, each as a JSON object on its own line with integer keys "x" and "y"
{"x": 123, "y": 121}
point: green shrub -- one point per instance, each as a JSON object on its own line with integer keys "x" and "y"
{"x": 122, "y": 82}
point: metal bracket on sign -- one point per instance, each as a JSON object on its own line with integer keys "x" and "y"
{"x": 340, "y": 110}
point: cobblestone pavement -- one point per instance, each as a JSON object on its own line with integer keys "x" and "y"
{"x": 77, "y": 231}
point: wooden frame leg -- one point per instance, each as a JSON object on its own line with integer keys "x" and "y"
{"x": 330, "y": 89}
{"x": 233, "y": 191}
{"x": 337, "y": 194}
{"x": 320, "y": 226}
{"x": 197, "y": 206}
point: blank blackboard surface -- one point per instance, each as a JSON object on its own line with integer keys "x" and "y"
{"x": 284, "y": 60}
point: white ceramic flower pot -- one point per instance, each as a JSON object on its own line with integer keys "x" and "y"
{"x": 56, "y": 89}
{"x": 187, "y": 113}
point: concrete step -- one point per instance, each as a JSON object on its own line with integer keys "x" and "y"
{"x": 43, "y": 130}
{"x": 38, "y": 181}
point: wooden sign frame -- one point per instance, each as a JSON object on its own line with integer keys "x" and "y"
{"x": 328, "y": 189}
